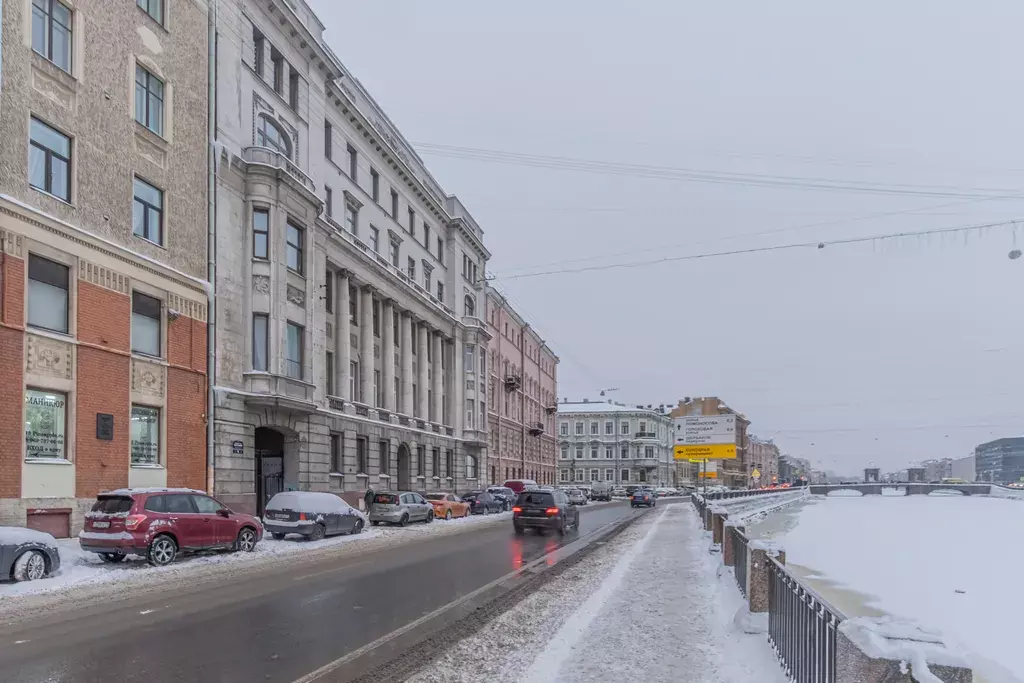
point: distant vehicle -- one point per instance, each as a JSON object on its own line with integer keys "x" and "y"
{"x": 482, "y": 503}
{"x": 518, "y": 485}
{"x": 27, "y": 554}
{"x": 601, "y": 490}
{"x": 448, "y": 505}
{"x": 661, "y": 491}
{"x": 619, "y": 491}
{"x": 643, "y": 497}
{"x": 543, "y": 510}
{"x": 312, "y": 514}
{"x": 400, "y": 507}
{"x": 953, "y": 480}
{"x": 506, "y": 495}
{"x": 161, "y": 523}
{"x": 576, "y": 497}
{"x": 585, "y": 489}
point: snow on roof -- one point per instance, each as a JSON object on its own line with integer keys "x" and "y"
{"x": 16, "y": 535}
{"x": 151, "y": 489}
{"x": 601, "y": 407}
{"x": 317, "y": 502}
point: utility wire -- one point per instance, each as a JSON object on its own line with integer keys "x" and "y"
{"x": 754, "y": 250}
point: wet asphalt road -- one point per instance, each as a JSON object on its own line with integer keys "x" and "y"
{"x": 274, "y": 628}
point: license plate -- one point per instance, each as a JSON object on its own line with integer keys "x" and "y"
{"x": 101, "y": 525}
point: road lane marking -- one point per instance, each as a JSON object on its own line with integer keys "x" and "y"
{"x": 147, "y": 611}
{"x": 21, "y": 642}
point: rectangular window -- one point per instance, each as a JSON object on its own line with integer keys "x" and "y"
{"x": 353, "y": 305}
{"x": 435, "y": 462}
{"x": 594, "y": 428}
{"x": 148, "y": 212}
{"x": 563, "y": 429}
{"x": 440, "y": 250}
{"x": 594, "y": 475}
{"x": 469, "y": 358}
{"x": 277, "y": 59}
{"x": 412, "y": 222}
{"x": 145, "y": 324}
{"x": 579, "y": 429}
{"x": 353, "y": 164}
{"x": 149, "y": 100}
{"x": 470, "y": 413}
{"x": 625, "y": 428}
{"x": 609, "y": 454}
{"x": 51, "y": 32}
{"x": 154, "y": 8}
{"x": 329, "y": 201}
{"x": 329, "y": 369}
{"x": 375, "y": 185}
{"x": 426, "y": 280}
{"x": 337, "y": 440}
{"x": 294, "y": 351}
{"x": 145, "y": 435}
{"x": 394, "y": 204}
{"x": 46, "y": 415}
{"x": 49, "y": 167}
{"x": 47, "y": 294}
{"x": 351, "y": 219}
{"x": 328, "y": 133}
{"x": 411, "y": 271}
{"x": 329, "y": 291}
{"x": 440, "y": 291}
{"x": 353, "y": 373}
{"x": 579, "y": 475}
{"x": 643, "y": 427}
{"x": 563, "y": 475}
{"x": 375, "y": 239}
{"x": 579, "y": 452}
{"x": 609, "y": 475}
{"x": 449, "y": 463}
{"x": 394, "y": 254}
{"x": 377, "y": 389}
{"x": 260, "y": 341}
{"x": 426, "y": 236}
{"x": 384, "y": 456}
{"x": 376, "y": 318}
{"x": 362, "y": 457}
{"x": 258, "y": 43}
{"x": 593, "y": 452}
{"x": 293, "y": 248}
{"x": 624, "y": 453}
{"x": 293, "y": 88}
{"x": 649, "y": 452}
{"x": 625, "y": 476}
{"x": 565, "y": 452}
{"x": 260, "y": 233}
{"x": 609, "y": 427}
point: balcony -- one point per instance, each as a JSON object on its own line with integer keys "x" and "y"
{"x": 475, "y": 436}
{"x": 472, "y": 321}
{"x": 269, "y": 389}
{"x": 551, "y": 410}
{"x": 536, "y": 428}
{"x": 264, "y": 156}
{"x": 513, "y": 382}
{"x": 651, "y": 436}
{"x": 647, "y": 463}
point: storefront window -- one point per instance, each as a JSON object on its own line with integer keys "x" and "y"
{"x": 45, "y": 424}
{"x": 145, "y": 435}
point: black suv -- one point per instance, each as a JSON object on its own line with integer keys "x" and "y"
{"x": 544, "y": 510}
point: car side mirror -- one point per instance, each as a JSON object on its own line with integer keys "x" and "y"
{"x": 224, "y": 512}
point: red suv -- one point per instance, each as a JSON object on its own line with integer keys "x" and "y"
{"x": 160, "y": 523}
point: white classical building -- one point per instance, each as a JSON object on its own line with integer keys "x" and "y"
{"x": 614, "y": 442}
{"x": 349, "y": 285}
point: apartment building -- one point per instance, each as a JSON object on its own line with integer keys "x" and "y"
{"x": 615, "y": 443}
{"x": 763, "y": 455}
{"x": 522, "y": 391}
{"x": 734, "y": 472}
{"x": 103, "y": 259}
{"x": 350, "y": 339}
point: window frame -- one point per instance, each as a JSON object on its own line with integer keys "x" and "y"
{"x": 149, "y": 95}
{"x": 147, "y": 7}
{"x": 297, "y": 248}
{"x": 49, "y": 19}
{"x": 374, "y": 185}
{"x": 48, "y": 157}
{"x": 68, "y": 438}
{"x": 264, "y": 123}
{"x": 300, "y": 362}
{"x": 353, "y": 162}
{"x": 141, "y": 300}
{"x": 265, "y": 232}
{"x": 256, "y": 341}
{"x": 159, "y": 436}
{"x": 32, "y": 257}
{"x": 148, "y": 208}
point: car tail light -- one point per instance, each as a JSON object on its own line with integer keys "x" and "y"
{"x": 517, "y": 509}
{"x": 132, "y": 522}
{"x": 552, "y": 511}
{"x": 302, "y": 516}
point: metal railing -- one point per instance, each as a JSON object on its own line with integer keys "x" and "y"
{"x": 739, "y": 557}
{"x": 802, "y": 627}
{"x": 270, "y": 157}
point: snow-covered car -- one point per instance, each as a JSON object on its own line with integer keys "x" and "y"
{"x": 576, "y": 497}
{"x": 662, "y": 491}
{"x": 505, "y": 495}
{"x": 27, "y": 554}
{"x": 312, "y": 514}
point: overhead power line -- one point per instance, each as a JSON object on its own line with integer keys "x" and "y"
{"x": 700, "y": 175}
{"x": 755, "y": 250}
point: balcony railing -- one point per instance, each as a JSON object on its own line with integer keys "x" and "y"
{"x": 645, "y": 435}
{"x": 536, "y": 429}
{"x": 472, "y": 321}
{"x": 336, "y": 403}
{"x": 265, "y": 156}
{"x": 513, "y": 382}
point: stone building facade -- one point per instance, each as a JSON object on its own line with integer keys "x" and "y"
{"x": 615, "y": 443}
{"x": 522, "y": 392}
{"x": 733, "y": 472}
{"x": 350, "y": 342}
{"x": 103, "y": 260}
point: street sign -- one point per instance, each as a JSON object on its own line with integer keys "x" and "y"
{"x": 707, "y": 475}
{"x": 722, "y": 451}
{"x": 705, "y": 437}
{"x": 756, "y": 474}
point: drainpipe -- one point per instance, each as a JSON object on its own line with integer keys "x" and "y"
{"x": 211, "y": 240}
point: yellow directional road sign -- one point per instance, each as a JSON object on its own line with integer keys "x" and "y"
{"x": 723, "y": 451}
{"x": 756, "y": 474}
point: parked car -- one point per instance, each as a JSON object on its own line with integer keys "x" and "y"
{"x": 312, "y": 514}
{"x": 482, "y": 503}
{"x": 400, "y": 507}
{"x": 633, "y": 488}
{"x": 161, "y": 523}
{"x": 506, "y": 495}
{"x": 643, "y": 497}
{"x": 619, "y": 491}
{"x": 27, "y": 554}
{"x": 543, "y": 510}
{"x": 662, "y": 491}
{"x": 519, "y": 485}
{"x": 576, "y": 497}
{"x": 601, "y": 490}
{"x": 448, "y": 505}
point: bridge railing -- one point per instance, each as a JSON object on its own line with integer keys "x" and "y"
{"x": 739, "y": 553}
{"x": 802, "y": 627}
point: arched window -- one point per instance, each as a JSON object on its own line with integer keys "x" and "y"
{"x": 270, "y": 135}
{"x": 470, "y": 306}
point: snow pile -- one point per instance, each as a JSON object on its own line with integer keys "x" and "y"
{"x": 948, "y": 563}
{"x": 903, "y": 641}
{"x": 844, "y": 493}
{"x": 750, "y": 622}
{"x": 16, "y": 535}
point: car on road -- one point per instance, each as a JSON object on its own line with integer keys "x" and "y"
{"x": 644, "y": 497}
{"x": 619, "y": 491}
{"x": 400, "y": 507}
{"x": 506, "y": 495}
{"x": 662, "y": 491}
{"x": 576, "y": 497}
{"x": 27, "y": 554}
{"x": 312, "y": 514}
{"x": 520, "y": 485}
{"x": 482, "y": 503}
{"x": 544, "y": 510}
{"x": 161, "y": 523}
{"x": 601, "y": 490}
{"x": 448, "y": 505}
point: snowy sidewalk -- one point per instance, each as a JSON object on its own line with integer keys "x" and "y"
{"x": 648, "y": 604}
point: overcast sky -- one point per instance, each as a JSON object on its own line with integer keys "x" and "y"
{"x": 852, "y": 355}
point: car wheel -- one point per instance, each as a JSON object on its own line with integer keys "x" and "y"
{"x": 162, "y": 551}
{"x": 319, "y": 533}
{"x": 246, "y": 541}
{"x": 112, "y": 558}
{"x": 277, "y": 536}
{"x": 448, "y": 514}
{"x": 358, "y": 529}
{"x": 518, "y": 529}
{"x": 561, "y": 527}
{"x": 404, "y": 521}
{"x": 430, "y": 517}
{"x": 30, "y": 566}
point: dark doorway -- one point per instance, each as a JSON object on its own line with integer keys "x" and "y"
{"x": 269, "y": 465}
{"x": 404, "y": 467}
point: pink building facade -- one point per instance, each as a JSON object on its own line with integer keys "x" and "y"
{"x": 523, "y": 396}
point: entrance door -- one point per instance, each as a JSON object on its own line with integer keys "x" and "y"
{"x": 404, "y": 468}
{"x": 269, "y": 465}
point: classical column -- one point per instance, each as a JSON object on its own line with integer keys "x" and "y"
{"x": 423, "y": 382}
{"x": 458, "y": 384}
{"x": 387, "y": 352}
{"x": 366, "y": 346}
{"x": 343, "y": 339}
{"x": 406, "y": 351}
{"x": 438, "y": 377}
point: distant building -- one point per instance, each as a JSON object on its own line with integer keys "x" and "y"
{"x": 764, "y": 458}
{"x": 792, "y": 468}
{"x": 964, "y": 468}
{"x": 733, "y": 472}
{"x": 1000, "y": 461}
{"x": 937, "y": 470}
